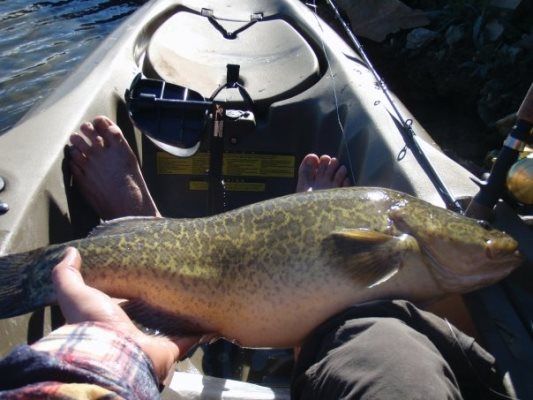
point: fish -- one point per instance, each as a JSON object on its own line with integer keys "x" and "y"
{"x": 267, "y": 274}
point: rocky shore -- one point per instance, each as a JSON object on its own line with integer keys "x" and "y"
{"x": 462, "y": 66}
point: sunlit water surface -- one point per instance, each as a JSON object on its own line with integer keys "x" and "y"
{"x": 41, "y": 41}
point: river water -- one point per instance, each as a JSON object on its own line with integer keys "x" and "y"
{"x": 41, "y": 41}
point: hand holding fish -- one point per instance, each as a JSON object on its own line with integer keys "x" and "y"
{"x": 82, "y": 303}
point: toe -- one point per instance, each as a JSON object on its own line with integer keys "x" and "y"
{"x": 306, "y": 172}
{"x": 332, "y": 168}
{"x": 346, "y": 182}
{"x": 99, "y": 141}
{"x": 309, "y": 165}
{"x": 77, "y": 157}
{"x": 87, "y": 128}
{"x": 77, "y": 141}
{"x": 340, "y": 175}
{"x": 107, "y": 129}
{"x": 323, "y": 165}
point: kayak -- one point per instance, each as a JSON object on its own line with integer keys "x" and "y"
{"x": 283, "y": 84}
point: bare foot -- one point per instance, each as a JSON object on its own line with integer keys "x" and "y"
{"x": 321, "y": 173}
{"x": 107, "y": 172}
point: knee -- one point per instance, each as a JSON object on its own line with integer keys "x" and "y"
{"x": 385, "y": 358}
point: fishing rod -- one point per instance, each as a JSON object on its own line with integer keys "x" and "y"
{"x": 407, "y": 130}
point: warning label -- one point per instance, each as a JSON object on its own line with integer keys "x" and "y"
{"x": 231, "y": 186}
{"x": 168, "y": 164}
{"x": 234, "y": 164}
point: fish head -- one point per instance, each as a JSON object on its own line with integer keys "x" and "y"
{"x": 462, "y": 253}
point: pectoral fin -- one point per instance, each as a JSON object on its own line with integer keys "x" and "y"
{"x": 371, "y": 257}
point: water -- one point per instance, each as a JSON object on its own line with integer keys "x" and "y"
{"x": 41, "y": 41}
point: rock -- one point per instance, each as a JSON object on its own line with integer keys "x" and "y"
{"x": 508, "y": 4}
{"x": 493, "y": 30}
{"x": 420, "y": 37}
{"x": 504, "y": 125}
{"x": 454, "y": 34}
{"x": 510, "y": 51}
{"x": 477, "y": 38}
{"x": 375, "y": 19}
{"x": 525, "y": 42}
{"x": 494, "y": 98}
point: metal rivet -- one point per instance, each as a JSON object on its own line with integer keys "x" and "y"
{"x": 3, "y": 208}
{"x": 2, "y": 184}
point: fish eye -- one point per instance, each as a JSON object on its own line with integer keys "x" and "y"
{"x": 484, "y": 224}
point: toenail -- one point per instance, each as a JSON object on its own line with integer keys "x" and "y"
{"x": 105, "y": 121}
{"x": 100, "y": 140}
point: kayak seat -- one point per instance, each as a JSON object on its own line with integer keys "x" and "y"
{"x": 190, "y": 50}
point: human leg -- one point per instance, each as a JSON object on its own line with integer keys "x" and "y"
{"x": 107, "y": 173}
{"x": 392, "y": 350}
{"x": 378, "y": 358}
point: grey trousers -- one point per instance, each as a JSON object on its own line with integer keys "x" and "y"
{"x": 392, "y": 350}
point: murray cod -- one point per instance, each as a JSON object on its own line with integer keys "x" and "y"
{"x": 266, "y": 274}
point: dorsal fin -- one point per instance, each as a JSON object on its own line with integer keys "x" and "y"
{"x": 123, "y": 225}
{"x": 372, "y": 257}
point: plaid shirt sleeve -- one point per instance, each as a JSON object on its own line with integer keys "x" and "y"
{"x": 88, "y": 360}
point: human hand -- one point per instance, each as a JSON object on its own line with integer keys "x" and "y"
{"x": 82, "y": 303}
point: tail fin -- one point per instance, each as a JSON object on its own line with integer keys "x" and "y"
{"x": 26, "y": 280}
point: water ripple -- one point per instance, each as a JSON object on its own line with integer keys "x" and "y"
{"x": 41, "y": 42}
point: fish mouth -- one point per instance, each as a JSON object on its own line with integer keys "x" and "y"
{"x": 461, "y": 281}
{"x": 495, "y": 251}
{"x": 500, "y": 260}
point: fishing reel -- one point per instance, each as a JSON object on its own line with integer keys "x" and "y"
{"x": 508, "y": 174}
{"x": 520, "y": 181}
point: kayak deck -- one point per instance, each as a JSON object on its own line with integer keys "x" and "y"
{"x": 311, "y": 92}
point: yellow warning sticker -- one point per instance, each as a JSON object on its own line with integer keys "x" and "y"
{"x": 234, "y": 164}
{"x": 198, "y": 185}
{"x": 263, "y": 165}
{"x": 230, "y": 186}
{"x": 168, "y": 164}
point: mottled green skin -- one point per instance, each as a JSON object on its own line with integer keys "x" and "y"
{"x": 268, "y": 273}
